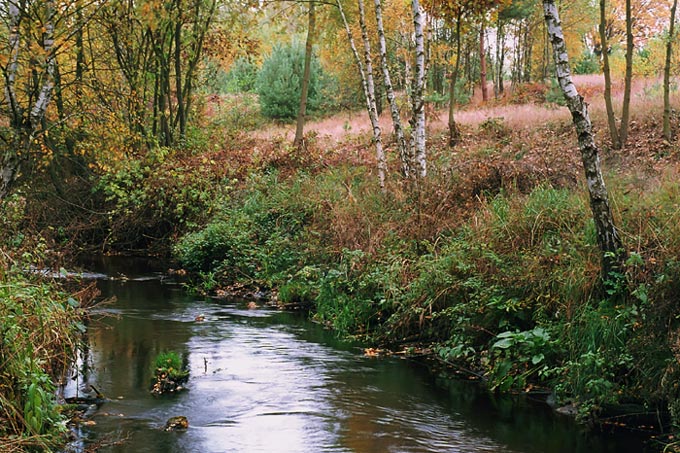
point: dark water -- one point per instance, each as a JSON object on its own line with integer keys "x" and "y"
{"x": 269, "y": 381}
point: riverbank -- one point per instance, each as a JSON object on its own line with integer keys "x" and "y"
{"x": 41, "y": 325}
{"x": 491, "y": 263}
{"x": 259, "y": 375}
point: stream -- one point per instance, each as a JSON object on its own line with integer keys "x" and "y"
{"x": 264, "y": 380}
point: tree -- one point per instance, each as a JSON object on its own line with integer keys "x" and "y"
{"x": 365, "y": 68}
{"x": 28, "y": 70}
{"x": 458, "y": 11}
{"x": 418, "y": 117}
{"x": 158, "y": 47}
{"x": 279, "y": 82}
{"x": 482, "y": 60}
{"x": 304, "y": 89}
{"x": 628, "y": 80}
{"x": 667, "y": 75}
{"x": 404, "y": 154}
{"x": 611, "y": 119}
{"x": 607, "y": 235}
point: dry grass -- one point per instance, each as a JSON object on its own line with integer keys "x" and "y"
{"x": 342, "y": 127}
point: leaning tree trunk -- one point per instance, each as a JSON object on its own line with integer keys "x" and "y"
{"x": 304, "y": 90}
{"x": 368, "y": 87}
{"x": 26, "y": 121}
{"x": 611, "y": 119}
{"x": 625, "y": 112}
{"x": 391, "y": 98}
{"x": 607, "y": 235}
{"x": 9, "y": 169}
{"x": 667, "y": 76}
{"x": 418, "y": 120}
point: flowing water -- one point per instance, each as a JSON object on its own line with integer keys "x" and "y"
{"x": 263, "y": 380}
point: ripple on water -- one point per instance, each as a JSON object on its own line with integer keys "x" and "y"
{"x": 259, "y": 384}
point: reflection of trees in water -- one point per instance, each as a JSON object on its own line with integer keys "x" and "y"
{"x": 125, "y": 346}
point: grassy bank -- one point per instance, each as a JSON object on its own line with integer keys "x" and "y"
{"x": 40, "y": 326}
{"x": 491, "y": 266}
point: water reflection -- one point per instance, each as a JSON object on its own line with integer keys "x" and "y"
{"x": 267, "y": 381}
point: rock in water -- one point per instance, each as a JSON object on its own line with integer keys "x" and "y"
{"x": 178, "y": 423}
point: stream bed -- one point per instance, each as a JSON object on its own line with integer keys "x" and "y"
{"x": 264, "y": 380}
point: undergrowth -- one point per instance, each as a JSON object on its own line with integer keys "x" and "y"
{"x": 510, "y": 291}
{"x": 40, "y": 326}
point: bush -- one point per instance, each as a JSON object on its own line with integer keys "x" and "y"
{"x": 242, "y": 76}
{"x": 255, "y": 238}
{"x": 588, "y": 63}
{"x": 279, "y": 80}
{"x": 555, "y": 94}
{"x": 39, "y": 327}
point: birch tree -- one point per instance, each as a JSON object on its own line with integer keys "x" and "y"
{"x": 365, "y": 68}
{"x": 607, "y": 235}
{"x": 404, "y": 154}
{"x": 28, "y": 69}
{"x": 418, "y": 114}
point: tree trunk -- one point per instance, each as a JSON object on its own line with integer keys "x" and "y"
{"x": 529, "y": 46}
{"x": 418, "y": 120}
{"x": 11, "y": 164}
{"x": 391, "y": 98}
{"x": 368, "y": 87}
{"x": 454, "y": 133}
{"x": 667, "y": 76}
{"x": 179, "y": 92}
{"x": 25, "y": 127}
{"x": 482, "y": 62}
{"x": 611, "y": 119}
{"x": 309, "y": 46}
{"x": 500, "y": 56}
{"x": 625, "y": 113}
{"x": 607, "y": 235}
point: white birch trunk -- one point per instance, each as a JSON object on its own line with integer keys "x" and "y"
{"x": 25, "y": 128}
{"x": 607, "y": 235}
{"x": 418, "y": 120}
{"x": 45, "y": 94}
{"x": 394, "y": 109}
{"x": 368, "y": 87}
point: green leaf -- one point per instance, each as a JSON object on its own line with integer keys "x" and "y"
{"x": 504, "y": 343}
{"x": 538, "y": 358}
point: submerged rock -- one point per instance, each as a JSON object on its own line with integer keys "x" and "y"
{"x": 178, "y": 423}
{"x": 568, "y": 410}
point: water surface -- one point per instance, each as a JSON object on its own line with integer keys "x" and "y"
{"x": 263, "y": 380}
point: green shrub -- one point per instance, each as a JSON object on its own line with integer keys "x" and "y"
{"x": 554, "y": 94}
{"x": 242, "y": 76}
{"x": 588, "y": 63}
{"x": 170, "y": 363}
{"x": 279, "y": 82}
{"x": 257, "y": 237}
{"x": 39, "y": 330}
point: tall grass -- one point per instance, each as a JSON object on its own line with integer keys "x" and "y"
{"x": 507, "y": 286}
{"x": 39, "y": 327}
